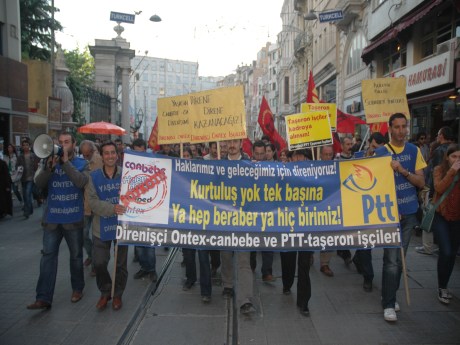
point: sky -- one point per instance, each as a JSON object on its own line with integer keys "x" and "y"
{"x": 219, "y": 35}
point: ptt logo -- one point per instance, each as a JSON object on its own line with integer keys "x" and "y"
{"x": 362, "y": 181}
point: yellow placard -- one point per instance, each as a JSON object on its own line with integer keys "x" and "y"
{"x": 331, "y": 108}
{"x": 173, "y": 120}
{"x": 383, "y": 97}
{"x": 366, "y": 196}
{"x": 217, "y": 114}
{"x": 308, "y": 129}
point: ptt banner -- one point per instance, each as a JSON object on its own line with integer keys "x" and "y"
{"x": 243, "y": 205}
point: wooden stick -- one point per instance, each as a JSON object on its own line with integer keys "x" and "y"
{"x": 115, "y": 256}
{"x": 406, "y": 285}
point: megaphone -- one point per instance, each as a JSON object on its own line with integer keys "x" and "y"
{"x": 44, "y": 147}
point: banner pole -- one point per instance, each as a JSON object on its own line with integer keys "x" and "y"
{"x": 313, "y": 153}
{"x": 115, "y": 257}
{"x": 181, "y": 149}
{"x": 406, "y": 285}
{"x": 365, "y": 138}
{"x": 218, "y": 149}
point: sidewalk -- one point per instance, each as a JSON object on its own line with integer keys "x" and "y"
{"x": 340, "y": 311}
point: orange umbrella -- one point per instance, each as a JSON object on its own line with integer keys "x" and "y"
{"x": 101, "y": 128}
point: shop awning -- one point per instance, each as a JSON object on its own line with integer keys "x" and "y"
{"x": 431, "y": 97}
{"x": 394, "y": 31}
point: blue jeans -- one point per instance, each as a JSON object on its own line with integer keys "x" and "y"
{"x": 16, "y": 191}
{"x": 448, "y": 235}
{"x": 49, "y": 261}
{"x": 87, "y": 243}
{"x": 28, "y": 197}
{"x": 205, "y": 269}
{"x": 392, "y": 264}
{"x": 147, "y": 258}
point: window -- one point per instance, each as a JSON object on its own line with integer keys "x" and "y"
{"x": 154, "y": 65}
{"x": 286, "y": 90}
{"x": 178, "y": 67}
{"x": 355, "y": 62}
{"x": 170, "y": 67}
{"x": 437, "y": 29}
{"x": 186, "y": 69}
{"x": 395, "y": 56}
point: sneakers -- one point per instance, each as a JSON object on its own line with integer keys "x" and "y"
{"x": 443, "y": 296}
{"x": 389, "y": 314}
{"x": 247, "y": 309}
{"x": 421, "y": 250}
{"x": 141, "y": 274}
{"x": 397, "y": 308}
{"x": 227, "y": 292}
{"x": 205, "y": 299}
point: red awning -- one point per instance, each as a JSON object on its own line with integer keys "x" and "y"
{"x": 394, "y": 31}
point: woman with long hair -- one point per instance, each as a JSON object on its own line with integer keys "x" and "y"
{"x": 446, "y": 223}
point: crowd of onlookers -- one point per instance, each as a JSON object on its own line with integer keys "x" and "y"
{"x": 434, "y": 168}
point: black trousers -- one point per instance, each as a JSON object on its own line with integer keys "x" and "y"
{"x": 288, "y": 263}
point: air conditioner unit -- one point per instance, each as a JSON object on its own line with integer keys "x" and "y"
{"x": 448, "y": 45}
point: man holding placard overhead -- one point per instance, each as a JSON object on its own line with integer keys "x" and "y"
{"x": 408, "y": 165}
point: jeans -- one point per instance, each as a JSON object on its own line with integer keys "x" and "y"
{"x": 392, "y": 264}
{"x": 16, "y": 191}
{"x": 49, "y": 261}
{"x": 147, "y": 258}
{"x": 87, "y": 242}
{"x": 267, "y": 262}
{"x": 28, "y": 197}
{"x": 448, "y": 235}
{"x": 205, "y": 269}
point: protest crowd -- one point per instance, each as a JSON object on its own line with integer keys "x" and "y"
{"x": 79, "y": 194}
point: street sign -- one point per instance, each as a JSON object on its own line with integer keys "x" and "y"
{"x": 122, "y": 17}
{"x": 330, "y": 16}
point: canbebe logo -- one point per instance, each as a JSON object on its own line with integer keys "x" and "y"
{"x": 368, "y": 192}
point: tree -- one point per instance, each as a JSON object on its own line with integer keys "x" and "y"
{"x": 36, "y": 25}
{"x": 81, "y": 77}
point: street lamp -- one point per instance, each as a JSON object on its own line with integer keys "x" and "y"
{"x": 310, "y": 15}
{"x": 155, "y": 18}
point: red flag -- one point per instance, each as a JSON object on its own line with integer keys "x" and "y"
{"x": 267, "y": 124}
{"x": 153, "y": 139}
{"x": 247, "y": 147}
{"x": 346, "y": 123}
{"x": 312, "y": 92}
{"x": 381, "y": 127}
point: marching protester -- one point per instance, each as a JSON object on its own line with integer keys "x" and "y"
{"x": 66, "y": 177}
{"x": 103, "y": 191}
{"x": 89, "y": 152}
{"x": 244, "y": 290}
{"x": 190, "y": 264}
{"x": 145, "y": 255}
{"x": 28, "y": 163}
{"x": 446, "y": 223}
{"x": 408, "y": 167}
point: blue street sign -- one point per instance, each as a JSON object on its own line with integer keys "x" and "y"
{"x": 122, "y": 17}
{"x": 330, "y": 16}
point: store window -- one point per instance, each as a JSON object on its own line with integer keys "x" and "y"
{"x": 395, "y": 56}
{"x": 355, "y": 62}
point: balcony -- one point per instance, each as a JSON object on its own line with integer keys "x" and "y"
{"x": 351, "y": 9}
{"x": 300, "y": 44}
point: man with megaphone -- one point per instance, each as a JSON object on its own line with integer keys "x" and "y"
{"x": 65, "y": 176}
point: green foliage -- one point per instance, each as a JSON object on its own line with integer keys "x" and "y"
{"x": 81, "y": 76}
{"x": 36, "y": 26}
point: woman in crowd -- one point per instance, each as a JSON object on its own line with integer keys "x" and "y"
{"x": 284, "y": 155}
{"x": 11, "y": 159}
{"x": 446, "y": 223}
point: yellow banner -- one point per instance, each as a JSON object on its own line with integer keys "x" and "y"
{"x": 173, "y": 120}
{"x": 331, "y": 108}
{"x": 366, "y": 195}
{"x": 383, "y": 97}
{"x": 217, "y": 115}
{"x": 308, "y": 129}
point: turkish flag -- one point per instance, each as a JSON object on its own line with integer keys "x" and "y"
{"x": 346, "y": 123}
{"x": 153, "y": 139}
{"x": 247, "y": 147}
{"x": 312, "y": 92}
{"x": 381, "y": 127}
{"x": 267, "y": 124}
